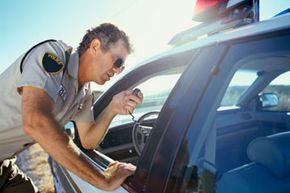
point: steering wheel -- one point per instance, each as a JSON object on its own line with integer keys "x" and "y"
{"x": 141, "y": 132}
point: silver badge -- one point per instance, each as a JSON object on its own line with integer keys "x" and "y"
{"x": 62, "y": 92}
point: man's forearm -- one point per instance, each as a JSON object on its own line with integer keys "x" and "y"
{"x": 51, "y": 137}
{"x": 40, "y": 124}
{"x": 94, "y": 134}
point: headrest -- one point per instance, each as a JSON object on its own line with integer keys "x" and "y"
{"x": 273, "y": 152}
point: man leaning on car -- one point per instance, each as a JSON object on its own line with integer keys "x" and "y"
{"x": 49, "y": 86}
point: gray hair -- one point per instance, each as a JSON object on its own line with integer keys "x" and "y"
{"x": 108, "y": 34}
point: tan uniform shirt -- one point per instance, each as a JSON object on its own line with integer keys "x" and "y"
{"x": 40, "y": 70}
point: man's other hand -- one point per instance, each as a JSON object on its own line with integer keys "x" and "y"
{"x": 117, "y": 172}
{"x": 125, "y": 102}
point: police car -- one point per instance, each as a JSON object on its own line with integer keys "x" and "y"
{"x": 216, "y": 111}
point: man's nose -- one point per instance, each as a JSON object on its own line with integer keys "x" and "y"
{"x": 118, "y": 70}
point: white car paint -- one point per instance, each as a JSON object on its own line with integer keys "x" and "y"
{"x": 86, "y": 187}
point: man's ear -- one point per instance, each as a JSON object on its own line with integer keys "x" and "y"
{"x": 95, "y": 45}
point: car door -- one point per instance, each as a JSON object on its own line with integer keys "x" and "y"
{"x": 191, "y": 166}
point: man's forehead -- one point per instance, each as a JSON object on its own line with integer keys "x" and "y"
{"x": 119, "y": 44}
{"x": 120, "y": 49}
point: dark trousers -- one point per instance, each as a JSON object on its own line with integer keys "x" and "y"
{"x": 13, "y": 180}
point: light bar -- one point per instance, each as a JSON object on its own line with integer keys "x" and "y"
{"x": 206, "y": 10}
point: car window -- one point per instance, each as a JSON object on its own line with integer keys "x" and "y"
{"x": 241, "y": 81}
{"x": 155, "y": 92}
{"x": 279, "y": 88}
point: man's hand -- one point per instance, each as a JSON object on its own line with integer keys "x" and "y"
{"x": 125, "y": 102}
{"x": 117, "y": 172}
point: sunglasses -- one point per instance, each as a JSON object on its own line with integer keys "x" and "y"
{"x": 119, "y": 63}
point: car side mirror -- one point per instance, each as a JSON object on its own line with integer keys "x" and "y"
{"x": 267, "y": 100}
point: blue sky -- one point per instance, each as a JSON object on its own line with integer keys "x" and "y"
{"x": 149, "y": 23}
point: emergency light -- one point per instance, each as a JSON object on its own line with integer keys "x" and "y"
{"x": 207, "y": 9}
{"x": 210, "y": 10}
{"x": 217, "y": 16}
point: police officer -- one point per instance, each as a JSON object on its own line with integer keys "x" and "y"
{"x": 48, "y": 86}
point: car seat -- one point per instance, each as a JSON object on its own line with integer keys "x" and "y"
{"x": 269, "y": 171}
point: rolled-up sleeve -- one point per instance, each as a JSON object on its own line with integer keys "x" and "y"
{"x": 35, "y": 74}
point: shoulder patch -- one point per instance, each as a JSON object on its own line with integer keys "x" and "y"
{"x": 51, "y": 63}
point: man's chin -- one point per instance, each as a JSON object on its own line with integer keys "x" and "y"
{"x": 101, "y": 82}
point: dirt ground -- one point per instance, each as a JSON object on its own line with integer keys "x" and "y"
{"x": 33, "y": 162}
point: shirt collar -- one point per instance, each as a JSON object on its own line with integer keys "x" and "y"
{"x": 73, "y": 65}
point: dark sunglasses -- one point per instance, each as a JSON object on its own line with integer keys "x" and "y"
{"x": 119, "y": 63}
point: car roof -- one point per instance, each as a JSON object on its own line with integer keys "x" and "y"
{"x": 275, "y": 24}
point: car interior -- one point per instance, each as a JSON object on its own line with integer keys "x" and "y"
{"x": 253, "y": 137}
